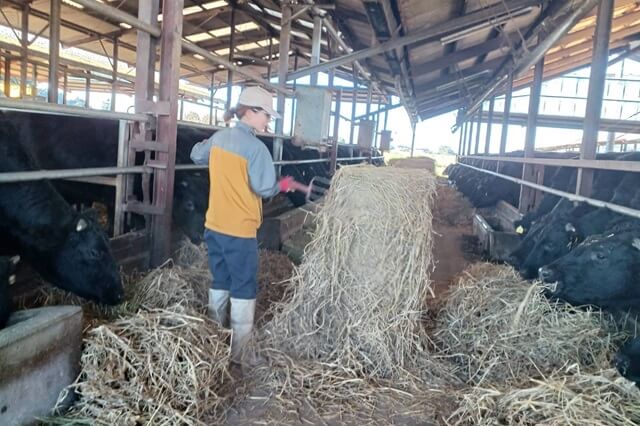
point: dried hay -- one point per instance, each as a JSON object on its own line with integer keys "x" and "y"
{"x": 451, "y": 208}
{"x": 572, "y": 398}
{"x": 425, "y": 163}
{"x": 358, "y": 297}
{"x": 498, "y": 328}
{"x": 159, "y": 367}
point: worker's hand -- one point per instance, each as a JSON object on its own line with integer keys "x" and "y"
{"x": 286, "y": 184}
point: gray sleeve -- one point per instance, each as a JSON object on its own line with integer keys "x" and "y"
{"x": 200, "y": 151}
{"x": 262, "y": 174}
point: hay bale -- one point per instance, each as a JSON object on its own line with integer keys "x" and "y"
{"x": 358, "y": 297}
{"x": 573, "y": 399}
{"x": 154, "y": 367}
{"x": 425, "y": 163}
{"x": 498, "y": 328}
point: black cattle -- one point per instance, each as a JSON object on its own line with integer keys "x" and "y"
{"x": 562, "y": 230}
{"x": 62, "y": 142}
{"x": 67, "y": 248}
{"x": 627, "y": 361}
{"x": 7, "y": 266}
{"x": 601, "y": 271}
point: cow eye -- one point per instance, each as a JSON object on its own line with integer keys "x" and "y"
{"x": 600, "y": 256}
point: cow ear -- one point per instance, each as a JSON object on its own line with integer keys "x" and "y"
{"x": 636, "y": 243}
{"x": 570, "y": 228}
{"x": 81, "y": 225}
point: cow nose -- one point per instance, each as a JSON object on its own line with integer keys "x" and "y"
{"x": 545, "y": 273}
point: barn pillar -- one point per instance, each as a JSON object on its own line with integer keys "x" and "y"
{"x": 596, "y": 92}
{"x": 463, "y": 139}
{"x": 611, "y": 138}
{"x": 316, "y": 46}
{"x": 487, "y": 142}
{"x": 531, "y": 173}
{"x": 211, "y": 98}
{"x": 283, "y": 68}
{"x": 293, "y": 96}
{"x": 505, "y": 118}
{"x": 470, "y": 137}
{"x": 170, "y": 53}
{"x": 413, "y": 136}
{"x": 54, "y": 50}
{"x": 232, "y": 46}
{"x": 354, "y": 102}
{"x": 87, "y": 90}
{"x": 24, "y": 53}
{"x": 477, "y": 145}
{"x": 7, "y": 75}
{"x": 461, "y": 129}
{"x": 114, "y": 75}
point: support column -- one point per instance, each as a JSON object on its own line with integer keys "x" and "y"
{"x": 35, "y": 80}
{"x": 336, "y": 130}
{"x": 316, "y": 46}
{"x": 354, "y": 103}
{"x": 232, "y": 45}
{"x": 7, "y": 75}
{"x": 114, "y": 75}
{"x": 505, "y": 119}
{"x": 54, "y": 50}
{"x": 597, "y": 80}
{"x": 170, "y": 53}
{"x": 477, "y": 145}
{"x": 530, "y": 173}
{"x": 461, "y": 130}
{"x": 24, "y": 53}
{"x": 487, "y": 142}
{"x": 413, "y": 137}
{"x": 87, "y": 90}
{"x": 611, "y": 138}
{"x": 65, "y": 85}
{"x": 283, "y": 68}
{"x": 470, "y": 137}
{"x": 463, "y": 145}
{"x": 211, "y": 98}
{"x": 293, "y": 97}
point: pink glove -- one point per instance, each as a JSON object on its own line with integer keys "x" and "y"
{"x": 286, "y": 184}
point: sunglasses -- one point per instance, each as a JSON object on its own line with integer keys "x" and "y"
{"x": 263, "y": 111}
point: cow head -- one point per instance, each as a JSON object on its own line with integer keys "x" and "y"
{"x": 627, "y": 361}
{"x": 191, "y": 197}
{"x": 556, "y": 238}
{"x": 601, "y": 271}
{"x": 83, "y": 263}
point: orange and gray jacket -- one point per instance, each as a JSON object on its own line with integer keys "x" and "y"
{"x": 241, "y": 171}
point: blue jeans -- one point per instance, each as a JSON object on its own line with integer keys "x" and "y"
{"x": 233, "y": 262}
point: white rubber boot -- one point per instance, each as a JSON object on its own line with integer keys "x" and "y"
{"x": 242, "y": 313}
{"x": 218, "y": 306}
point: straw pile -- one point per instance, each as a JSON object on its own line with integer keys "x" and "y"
{"x": 274, "y": 280}
{"x": 573, "y": 398}
{"x": 497, "y": 328}
{"x": 154, "y": 367}
{"x": 425, "y": 163}
{"x": 358, "y": 297}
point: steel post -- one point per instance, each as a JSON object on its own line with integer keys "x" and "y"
{"x": 283, "y": 68}
{"x": 54, "y": 50}
{"x": 487, "y": 143}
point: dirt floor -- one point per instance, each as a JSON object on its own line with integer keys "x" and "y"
{"x": 454, "y": 245}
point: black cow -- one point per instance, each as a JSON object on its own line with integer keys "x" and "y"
{"x": 627, "y": 361}
{"x": 61, "y": 142}
{"x": 6, "y": 278}
{"x": 601, "y": 271}
{"x": 67, "y": 248}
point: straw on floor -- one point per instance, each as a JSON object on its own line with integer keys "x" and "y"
{"x": 158, "y": 366}
{"x": 495, "y": 327}
{"x": 569, "y": 398}
{"x": 358, "y": 296}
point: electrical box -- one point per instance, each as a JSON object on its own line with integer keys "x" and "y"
{"x": 366, "y": 133}
{"x": 385, "y": 140}
{"x": 313, "y": 112}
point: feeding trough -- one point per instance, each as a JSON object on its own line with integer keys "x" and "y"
{"x": 495, "y": 232}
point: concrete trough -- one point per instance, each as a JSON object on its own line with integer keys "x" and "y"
{"x": 276, "y": 230}
{"x": 495, "y": 232}
{"x": 39, "y": 356}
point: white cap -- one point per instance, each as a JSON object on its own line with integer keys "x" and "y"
{"x": 255, "y": 96}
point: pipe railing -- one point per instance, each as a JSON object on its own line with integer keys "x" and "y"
{"x": 572, "y": 197}
{"x": 45, "y": 107}
{"x": 615, "y": 165}
{"x": 14, "y": 177}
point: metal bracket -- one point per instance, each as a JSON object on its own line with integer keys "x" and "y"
{"x": 140, "y": 145}
{"x": 145, "y": 106}
{"x": 142, "y": 208}
{"x": 156, "y": 164}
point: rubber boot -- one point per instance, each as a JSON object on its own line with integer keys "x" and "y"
{"x": 242, "y": 313}
{"x": 218, "y": 306}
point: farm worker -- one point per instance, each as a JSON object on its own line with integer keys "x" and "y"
{"x": 241, "y": 172}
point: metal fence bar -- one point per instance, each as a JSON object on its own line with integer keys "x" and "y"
{"x": 623, "y": 166}
{"x": 43, "y": 107}
{"x": 13, "y": 177}
{"x": 572, "y": 197}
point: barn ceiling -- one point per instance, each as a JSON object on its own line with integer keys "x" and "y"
{"x": 434, "y": 75}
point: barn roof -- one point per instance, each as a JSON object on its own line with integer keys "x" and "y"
{"x": 446, "y": 71}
